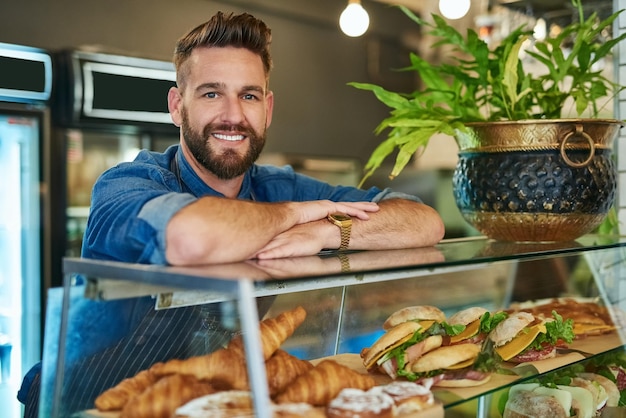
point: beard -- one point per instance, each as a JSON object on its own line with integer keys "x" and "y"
{"x": 229, "y": 164}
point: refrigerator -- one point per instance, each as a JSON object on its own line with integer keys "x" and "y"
{"x": 25, "y": 88}
{"x": 105, "y": 108}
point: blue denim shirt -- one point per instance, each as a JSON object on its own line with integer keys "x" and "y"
{"x": 132, "y": 202}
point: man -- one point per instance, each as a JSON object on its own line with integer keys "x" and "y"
{"x": 205, "y": 201}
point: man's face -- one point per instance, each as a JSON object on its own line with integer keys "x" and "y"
{"x": 223, "y": 109}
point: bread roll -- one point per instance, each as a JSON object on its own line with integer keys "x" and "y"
{"x": 412, "y": 313}
{"x": 528, "y": 404}
{"x": 506, "y": 330}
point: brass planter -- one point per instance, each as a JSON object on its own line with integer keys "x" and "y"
{"x": 536, "y": 180}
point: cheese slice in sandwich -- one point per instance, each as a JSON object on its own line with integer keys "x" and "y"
{"x": 582, "y": 401}
{"x": 393, "y": 338}
{"x": 520, "y": 342}
{"x": 470, "y": 330}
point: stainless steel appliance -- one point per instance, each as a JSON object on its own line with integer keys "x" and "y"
{"x": 106, "y": 107}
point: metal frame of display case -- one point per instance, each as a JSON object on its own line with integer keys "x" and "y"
{"x": 226, "y": 283}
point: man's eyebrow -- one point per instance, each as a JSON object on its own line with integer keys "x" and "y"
{"x": 256, "y": 88}
{"x": 211, "y": 85}
{"x": 222, "y": 86}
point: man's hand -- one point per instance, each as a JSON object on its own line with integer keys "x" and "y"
{"x": 320, "y": 209}
{"x": 301, "y": 240}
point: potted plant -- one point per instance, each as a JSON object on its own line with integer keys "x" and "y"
{"x": 510, "y": 127}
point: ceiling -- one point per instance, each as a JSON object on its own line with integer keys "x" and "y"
{"x": 558, "y": 11}
{"x": 553, "y": 11}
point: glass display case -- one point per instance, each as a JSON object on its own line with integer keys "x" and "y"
{"x": 112, "y": 320}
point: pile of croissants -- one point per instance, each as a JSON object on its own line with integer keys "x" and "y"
{"x": 164, "y": 387}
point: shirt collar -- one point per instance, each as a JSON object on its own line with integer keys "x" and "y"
{"x": 191, "y": 183}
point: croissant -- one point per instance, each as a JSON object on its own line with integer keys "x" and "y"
{"x": 115, "y": 398}
{"x": 224, "y": 368}
{"x": 274, "y": 331}
{"x": 168, "y": 393}
{"x": 282, "y": 368}
{"x": 321, "y": 384}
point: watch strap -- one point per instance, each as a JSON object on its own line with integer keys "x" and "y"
{"x": 345, "y": 236}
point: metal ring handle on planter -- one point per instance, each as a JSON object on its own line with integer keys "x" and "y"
{"x": 592, "y": 147}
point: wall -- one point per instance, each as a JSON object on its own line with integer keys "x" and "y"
{"x": 316, "y": 113}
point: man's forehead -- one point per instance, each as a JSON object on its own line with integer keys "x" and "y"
{"x": 227, "y": 67}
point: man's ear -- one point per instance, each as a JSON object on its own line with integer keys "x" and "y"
{"x": 174, "y": 103}
{"x": 269, "y": 100}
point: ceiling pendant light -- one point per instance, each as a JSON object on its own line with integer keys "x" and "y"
{"x": 454, "y": 9}
{"x": 354, "y": 19}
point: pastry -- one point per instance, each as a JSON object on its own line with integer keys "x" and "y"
{"x": 239, "y": 404}
{"x": 116, "y": 397}
{"x": 224, "y": 368}
{"x": 351, "y": 403}
{"x": 282, "y": 368}
{"x": 322, "y": 383}
{"x": 168, "y": 393}
{"x": 274, "y": 331}
{"x": 408, "y": 397}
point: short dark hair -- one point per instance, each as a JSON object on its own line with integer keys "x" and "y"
{"x": 222, "y": 30}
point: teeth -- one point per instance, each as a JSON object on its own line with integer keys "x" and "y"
{"x": 229, "y": 137}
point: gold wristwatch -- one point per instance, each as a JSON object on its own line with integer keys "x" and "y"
{"x": 344, "y": 222}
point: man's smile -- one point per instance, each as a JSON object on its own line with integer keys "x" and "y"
{"x": 226, "y": 137}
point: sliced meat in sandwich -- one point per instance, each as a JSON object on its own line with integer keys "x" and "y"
{"x": 450, "y": 366}
{"x": 411, "y": 332}
{"x": 400, "y": 345}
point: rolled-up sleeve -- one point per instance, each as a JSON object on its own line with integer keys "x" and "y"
{"x": 390, "y": 194}
{"x": 157, "y": 213}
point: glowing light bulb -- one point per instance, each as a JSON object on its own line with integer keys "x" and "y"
{"x": 354, "y": 20}
{"x": 454, "y": 9}
{"x": 540, "y": 31}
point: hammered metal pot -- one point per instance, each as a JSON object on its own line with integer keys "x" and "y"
{"x": 536, "y": 180}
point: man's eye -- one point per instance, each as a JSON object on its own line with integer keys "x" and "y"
{"x": 249, "y": 96}
{"x": 211, "y": 95}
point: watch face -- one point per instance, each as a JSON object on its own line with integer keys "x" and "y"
{"x": 341, "y": 217}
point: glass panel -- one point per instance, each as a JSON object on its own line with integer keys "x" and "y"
{"x": 19, "y": 254}
{"x": 89, "y": 154}
{"x": 345, "y": 309}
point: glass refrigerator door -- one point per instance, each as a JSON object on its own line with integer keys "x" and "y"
{"x": 20, "y": 273}
{"x": 89, "y": 154}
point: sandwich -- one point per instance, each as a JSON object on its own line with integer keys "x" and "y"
{"x": 411, "y": 332}
{"x": 478, "y": 323}
{"x": 560, "y": 401}
{"x": 581, "y": 394}
{"x": 523, "y": 337}
{"x": 590, "y": 318}
{"x": 526, "y": 400}
{"x": 449, "y": 366}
